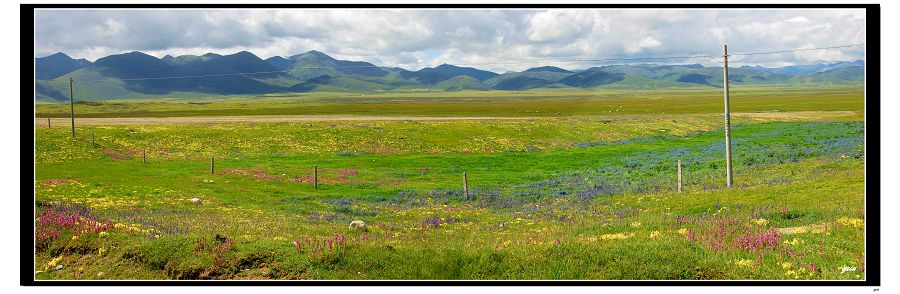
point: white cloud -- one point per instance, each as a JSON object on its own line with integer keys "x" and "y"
{"x": 559, "y": 25}
{"x": 401, "y": 37}
{"x": 799, "y": 19}
{"x": 645, "y": 43}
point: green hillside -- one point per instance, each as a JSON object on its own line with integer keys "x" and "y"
{"x": 136, "y": 75}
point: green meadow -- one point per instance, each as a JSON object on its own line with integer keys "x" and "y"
{"x": 534, "y": 103}
{"x": 568, "y": 185}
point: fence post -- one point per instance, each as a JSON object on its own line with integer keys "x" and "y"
{"x": 92, "y": 139}
{"x": 316, "y": 176}
{"x": 144, "y": 155}
{"x": 679, "y": 176}
{"x": 48, "y": 122}
{"x": 466, "y": 185}
{"x": 212, "y": 165}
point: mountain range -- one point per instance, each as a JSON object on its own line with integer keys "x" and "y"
{"x": 139, "y": 75}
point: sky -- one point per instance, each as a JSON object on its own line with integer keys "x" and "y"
{"x": 497, "y": 40}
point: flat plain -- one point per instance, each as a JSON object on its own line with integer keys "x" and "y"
{"x": 562, "y": 184}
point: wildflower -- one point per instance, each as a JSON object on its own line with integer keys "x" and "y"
{"x": 635, "y": 224}
{"x": 103, "y": 234}
{"x": 616, "y": 236}
{"x": 682, "y": 231}
{"x": 793, "y": 242}
{"x": 53, "y": 263}
{"x": 761, "y": 222}
{"x": 851, "y": 222}
{"x": 744, "y": 262}
{"x": 787, "y": 265}
{"x": 101, "y": 251}
{"x": 654, "y": 234}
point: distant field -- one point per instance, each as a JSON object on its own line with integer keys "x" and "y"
{"x": 546, "y": 103}
{"x": 563, "y": 185}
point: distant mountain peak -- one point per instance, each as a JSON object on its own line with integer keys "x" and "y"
{"x": 313, "y": 54}
{"x": 56, "y": 65}
{"x": 247, "y": 53}
{"x": 279, "y": 62}
{"x": 450, "y": 70}
{"x": 547, "y": 69}
{"x": 57, "y": 55}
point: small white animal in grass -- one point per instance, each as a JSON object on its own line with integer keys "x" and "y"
{"x": 195, "y": 200}
{"x": 357, "y": 224}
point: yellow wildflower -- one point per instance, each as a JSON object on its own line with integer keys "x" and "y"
{"x": 744, "y": 262}
{"x": 761, "y": 222}
{"x": 654, "y": 234}
{"x": 682, "y": 231}
{"x": 793, "y": 242}
{"x": 787, "y": 265}
{"x": 851, "y": 222}
{"x": 53, "y": 263}
{"x": 616, "y": 236}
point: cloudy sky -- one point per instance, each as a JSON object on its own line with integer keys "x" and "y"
{"x": 487, "y": 39}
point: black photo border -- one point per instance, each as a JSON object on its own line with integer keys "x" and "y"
{"x": 872, "y": 151}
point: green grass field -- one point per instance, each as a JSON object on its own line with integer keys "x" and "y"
{"x": 582, "y": 187}
{"x": 539, "y": 103}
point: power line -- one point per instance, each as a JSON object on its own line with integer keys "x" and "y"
{"x": 500, "y": 63}
{"x": 797, "y": 50}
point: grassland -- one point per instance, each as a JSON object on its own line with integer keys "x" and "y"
{"x": 545, "y": 103}
{"x": 583, "y": 188}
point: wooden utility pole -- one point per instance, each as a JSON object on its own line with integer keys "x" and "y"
{"x": 679, "y": 176}
{"x": 728, "y": 172}
{"x": 316, "y": 176}
{"x": 466, "y": 185}
{"x": 72, "y": 104}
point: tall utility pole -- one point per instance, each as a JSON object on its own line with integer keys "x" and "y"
{"x": 72, "y": 105}
{"x": 728, "y": 172}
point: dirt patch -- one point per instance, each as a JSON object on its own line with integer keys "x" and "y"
{"x": 814, "y": 228}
